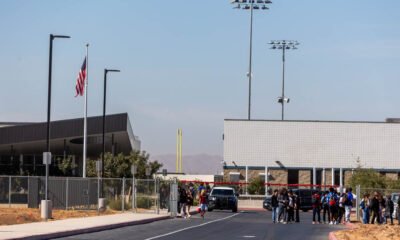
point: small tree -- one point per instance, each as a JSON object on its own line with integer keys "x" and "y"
{"x": 66, "y": 166}
{"x": 256, "y": 186}
{"x": 120, "y": 165}
{"x": 368, "y": 178}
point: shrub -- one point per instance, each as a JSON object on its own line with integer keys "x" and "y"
{"x": 117, "y": 205}
{"x": 144, "y": 202}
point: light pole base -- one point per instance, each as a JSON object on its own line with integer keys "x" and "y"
{"x": 102, "y": 204}
{"x": 46, "y": 207}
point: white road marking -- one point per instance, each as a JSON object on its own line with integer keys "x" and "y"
{"x": 184, "y": 229}
{"x": 249, "y": 236}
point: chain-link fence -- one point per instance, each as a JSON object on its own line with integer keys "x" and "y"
{"x": 148, "y": 195}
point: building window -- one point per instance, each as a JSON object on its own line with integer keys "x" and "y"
{"x": 293, "y": 176}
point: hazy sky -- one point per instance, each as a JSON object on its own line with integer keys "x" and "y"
{"x": 183, "y": 63}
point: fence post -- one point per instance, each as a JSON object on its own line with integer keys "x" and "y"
{"x": 133, "y": 193}
{"x": 9, "y": 191}
{"x": 358, "y": 192}
{"x": 123, "y": 194}
{"x": 158, "y": 195}
{"x": 66, "y": 194}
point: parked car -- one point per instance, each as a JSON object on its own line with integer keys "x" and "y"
{"x": 305, "y": 198}
{"x": 223, "y": 198}
{"x": 267, "y": 203}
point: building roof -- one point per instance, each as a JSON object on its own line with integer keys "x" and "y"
{"x": 30, "y": 138}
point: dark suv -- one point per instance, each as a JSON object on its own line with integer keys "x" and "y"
{"x": 223, "y": 198}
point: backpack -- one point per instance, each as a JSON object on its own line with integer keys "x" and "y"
{"x": 332, "y": 202}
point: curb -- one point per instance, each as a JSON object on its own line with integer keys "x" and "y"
{"x": 332, "y": 236}
{"x": 349, "y": 225}
{"x": 92, "y": 229}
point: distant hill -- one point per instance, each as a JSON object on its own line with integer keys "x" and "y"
{"x": 192, "y": 164}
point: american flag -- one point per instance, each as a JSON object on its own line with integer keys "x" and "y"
{"x": 80, "y": 81}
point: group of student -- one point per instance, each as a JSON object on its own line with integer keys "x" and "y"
{"x": 378, "y": 209}
{"x": 285, "y": 206}
{"x": 336, "y": 207}
{"x": 187, "y": 194}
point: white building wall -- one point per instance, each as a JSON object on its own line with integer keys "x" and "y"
{"x": 309, "y": 144}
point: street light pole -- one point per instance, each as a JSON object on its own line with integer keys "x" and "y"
{"x": 51, "y": 38}
{"x": 284, "y": 45}
{"x": 243, "y": 4}
{"x": 104, "y": 117}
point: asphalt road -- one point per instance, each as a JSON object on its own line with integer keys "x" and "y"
{"x": 219, "y": 225}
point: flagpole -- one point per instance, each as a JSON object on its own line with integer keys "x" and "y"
{"x": 85, "y": 112}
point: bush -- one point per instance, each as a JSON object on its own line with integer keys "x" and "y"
{"x": 144, "y": 202}
{"x": 256, "y": 186}
{"x": 117, "y": 205}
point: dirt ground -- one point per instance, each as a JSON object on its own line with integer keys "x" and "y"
{"x": 9, "y": 216}
{"x": 370, "y": 232}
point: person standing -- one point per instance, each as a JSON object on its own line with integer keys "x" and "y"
{"x": 316, "y": 205}
{"x": 389, "y": 209}
{"x": 348, "y": 204}
{"x": 274, "y": 206}
{"x": 190, "y": 199}
{"x": 282, "y": 203}
{"x": 325, "y": 207}
{"x": 297, "y": 206}
{"x": 365, "y": 207}
{"x": 375, "y": 209}
{"x": 341, "y": 208}
{"x": 290, "y": 207}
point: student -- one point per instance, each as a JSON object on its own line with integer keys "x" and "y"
{"x": 274, "y": 205}
{"x": 190, "y": 200}
{"x": 290, "y": 207}
{"x": 325, "y": 207}
{"x": 375, "y": 209}
{"x": 183, "y": 201}
{"x": 348, "y": 204}
{"x": 365, "y": 207}
{"x": 341, "y": 207}
{"x": 389, "y": 209}
{"x": 333, "y": 208}
{"x": 316, "y": 205}
{"x": 398, "y": 210}
{"x": 297, "y": 207}
{"x": 282, "y": 204}
{"x": 203, "y": 202}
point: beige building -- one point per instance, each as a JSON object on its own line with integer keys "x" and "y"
{"x": 309, "y": 152}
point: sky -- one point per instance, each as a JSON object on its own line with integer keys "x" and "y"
{"x": 184, "y": 63}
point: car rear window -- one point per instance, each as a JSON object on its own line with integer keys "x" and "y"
{"x": 222, "y": 192}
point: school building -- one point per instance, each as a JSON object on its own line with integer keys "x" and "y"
{"x": 22, "y": 144}
{"x": 309, "y": 152}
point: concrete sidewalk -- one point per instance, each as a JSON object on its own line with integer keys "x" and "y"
{"x": 72, "y": 226}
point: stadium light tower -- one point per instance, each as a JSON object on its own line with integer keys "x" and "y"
{"x": 251, "y": 5}
{"x": 283, "y": 45}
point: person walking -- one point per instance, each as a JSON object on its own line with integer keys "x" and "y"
{"x": 375, "y": 209}
{"x": 190, "y": 200}
{"x": 348, "y": 204}
{"x": 365, "y": 207}
{"x": 274, "y": 206}
{"x": 203, "y": 202}
{"x": 316, "y": 205}
{"x": 183, "y": 201}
